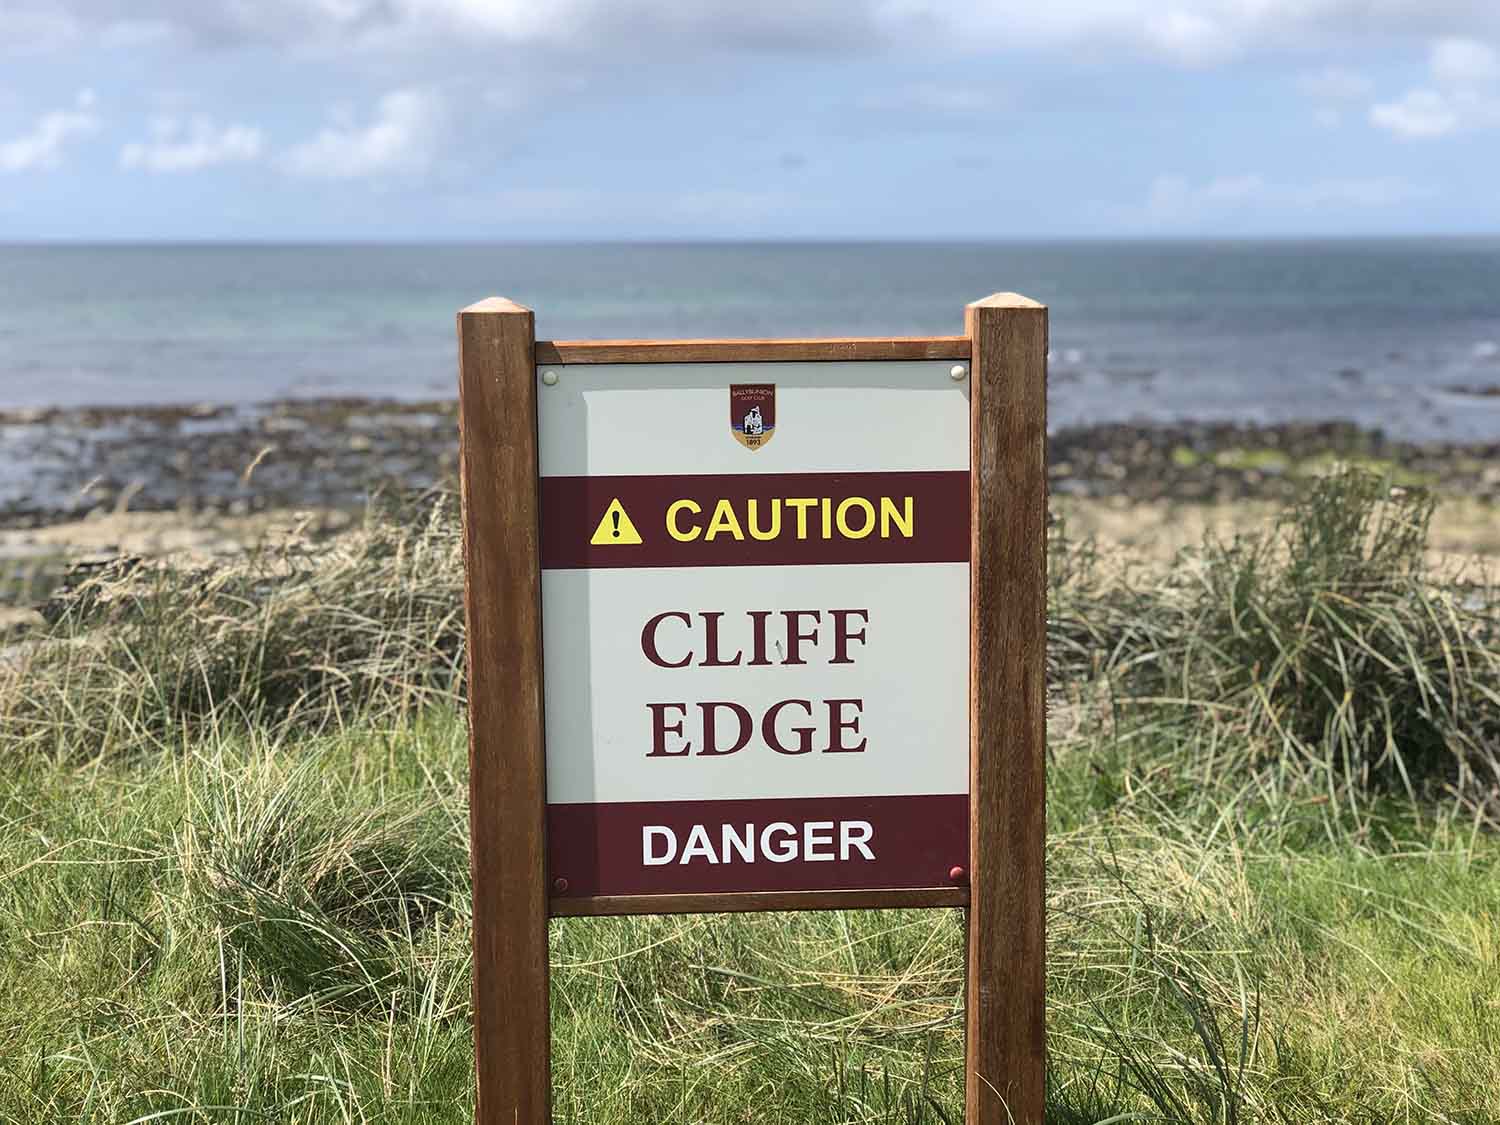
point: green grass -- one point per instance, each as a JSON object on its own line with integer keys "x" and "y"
{"x": 234, "y": 884}
{"x": 252, "y": 930}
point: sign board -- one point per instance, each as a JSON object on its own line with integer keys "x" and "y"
{"x": 756, "y": 625}
{"x": 755, "y": 635}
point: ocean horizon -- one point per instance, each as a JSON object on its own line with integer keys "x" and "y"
{"x": 1400, "y": 334}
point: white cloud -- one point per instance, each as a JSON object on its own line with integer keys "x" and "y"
{"x": 1418, "y": 113}
{"x": 1463, "y": 62}
{"x": 178, "y": 146}
{"x": 404, "y": 137}
{"x": 1464, "y": 94}
{"x": 1187, "y": 31}
{"x": 1192, "y": 32}
{"x": 42, "y": 147}
{"x": 1174, "y": 202}
{"x": 1335, "y": 84}
{"x": 1331, "y": 89}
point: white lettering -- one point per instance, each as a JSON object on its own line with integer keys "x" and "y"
{"x": 855, "y": 834}
{"x": 648, "y": 856}
{"x": 812, "y": 837}
{"x": 788, "y": 849}
{"x": 697, "y": 844}
{"x": 745, "y": 844}
{"x": 811, "y": 841}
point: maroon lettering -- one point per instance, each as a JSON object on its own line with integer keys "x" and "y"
{"x": 710, "y": 731}
{"x": 711, "y": 641}
{"x": 842, "y": 634}
{"x": 795, "y": 636}
{"x": 837, "y": 724}
{"x": 660, "y": 729}
{"x": 758, "y": 637}
{"x": 648, "y": 640}
{"x": 804, "y": 734}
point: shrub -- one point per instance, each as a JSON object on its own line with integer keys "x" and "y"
{"x": 1323, "y": 639}
{"x": 138, "y": 654}
{"x": 327, "y": 892}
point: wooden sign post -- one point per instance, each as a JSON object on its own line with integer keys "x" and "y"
{"x": 756, "y": 625}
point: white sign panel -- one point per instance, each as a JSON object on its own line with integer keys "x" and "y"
{"x": 755, "y": 595}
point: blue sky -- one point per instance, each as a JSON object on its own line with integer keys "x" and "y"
{"x": 502, "y": 119}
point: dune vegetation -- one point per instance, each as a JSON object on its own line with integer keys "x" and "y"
{"x": 234, "y": 875}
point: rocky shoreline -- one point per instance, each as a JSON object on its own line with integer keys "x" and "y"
{"x": 330, "y": 454}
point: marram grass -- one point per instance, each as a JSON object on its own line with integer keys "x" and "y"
{"x": 254, "y": 930}
{"x": 234, "y": 885}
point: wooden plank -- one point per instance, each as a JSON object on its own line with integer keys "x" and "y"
{"x": 507, "y": 791}
{"x": 759, "y": 900}
{"x": 1006, "y": 1029}
{"x": 747, "y": 351}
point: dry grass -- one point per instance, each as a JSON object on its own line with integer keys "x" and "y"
{"x": 233, "y": 878}
{"x": 1337, "y": 661}
{"x": 139, "y": 655}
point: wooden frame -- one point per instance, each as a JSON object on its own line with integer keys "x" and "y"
{"x": 1006, "y": 346}
{"x": 507, "y": 779}
{"x": 1005, "y": 1029}
{"x": 750, "y": 351}
{"x": 758, "y": 900}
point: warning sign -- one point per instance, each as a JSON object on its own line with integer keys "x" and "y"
{"x": 615, "y": 528}
{"x": 767, "y": 690}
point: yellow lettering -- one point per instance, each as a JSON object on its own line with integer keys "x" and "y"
{"x": 853, "y": 517}
{"x": 801, "y": 504}
{"x": 676, "y": 532}
{"x": 724, "y": 520}
{"x": 888, "y": 516}
{"x": 774, "y": 530}
{"x": 843, "y": 513}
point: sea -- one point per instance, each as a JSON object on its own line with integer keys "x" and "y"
{"x": 1397, "y": 335}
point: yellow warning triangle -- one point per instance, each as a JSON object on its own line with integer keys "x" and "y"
{"x": 615, "y": 529}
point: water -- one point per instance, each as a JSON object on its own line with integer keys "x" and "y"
{"x": 1377, "y": 332}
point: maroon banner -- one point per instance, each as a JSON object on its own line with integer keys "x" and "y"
{"x": 781, "y": 844}
{"x": 754, "y": 519}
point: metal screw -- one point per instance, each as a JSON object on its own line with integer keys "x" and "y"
{"x": 550, "y": 378}
{"x": 958, "y": 371}
{"x": 560, "y": 885}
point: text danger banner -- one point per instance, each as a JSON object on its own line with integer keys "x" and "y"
{"x": 692, "y": 847}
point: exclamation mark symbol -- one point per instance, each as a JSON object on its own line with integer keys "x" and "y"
{"x": 615, "y": 528}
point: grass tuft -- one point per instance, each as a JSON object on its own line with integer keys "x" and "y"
{"x": 234, "y": 884}
{"x": 330, "y": 896}
{"x": 1323, "y": 642}
{"x": 139, "y": 656}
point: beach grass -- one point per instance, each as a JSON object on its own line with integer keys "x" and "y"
{"x": 253, "y": 929}
{"x": 234, "y": 881}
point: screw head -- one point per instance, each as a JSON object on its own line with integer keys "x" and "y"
{"x": 958, "y": 371}
{"x": 958, "y": 875}
{"x": 550, "y": 378}
{"x": 560, "y": 885}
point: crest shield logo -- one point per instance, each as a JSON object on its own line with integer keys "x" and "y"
{"x": 752, "y": 413}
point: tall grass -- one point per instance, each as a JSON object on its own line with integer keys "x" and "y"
{"x": 333, "y": 896}
{"x": 278, "y": 929}
{"x": 138, "y": 657}
{"x": 1322, "y": 640}
{"x": 233, "y": 878}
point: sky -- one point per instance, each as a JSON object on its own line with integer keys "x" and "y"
{"x": 794, "y": 119}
